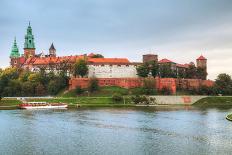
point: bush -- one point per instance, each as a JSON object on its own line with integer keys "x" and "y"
{"x": 140, "y": 99}
{"x": 93, "y": 85}
{"x": 165, "y": 91}
{"x": 117, "y": 97}
{"x": 79, "y": 90}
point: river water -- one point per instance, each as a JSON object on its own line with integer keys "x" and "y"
{"x": 175, "y": 130}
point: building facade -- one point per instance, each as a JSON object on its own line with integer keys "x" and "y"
{"x": 98, "y": 67}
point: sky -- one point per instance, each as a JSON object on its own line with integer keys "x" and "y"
{"x": 179, "y": 30}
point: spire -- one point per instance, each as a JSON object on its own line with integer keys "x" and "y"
{"x": 14, "y": 50}
{"x": 52, "y": 47}
{"x": 52, "y": 51}
{"x": 29, "y": 38}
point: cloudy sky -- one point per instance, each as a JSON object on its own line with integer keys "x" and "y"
{"x": 180, "y": 30}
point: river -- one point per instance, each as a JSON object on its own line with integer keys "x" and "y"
{"x": 171, "y": 130}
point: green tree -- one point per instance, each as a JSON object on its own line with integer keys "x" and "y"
{"x": 149, "y": 86}
{"x": 80, "y": 68}
{"x": 143, "y": 70}
{"x": 191, "y": 72}
{"x": 223, "y": 84}
{"x": 97, "y": 56}
{"x": 40, "y": 90}
{"x": 201, "y": 73}
{"x": 28, "y": 89}
{"x": 166, "y": 71}
{"x": 93, "y": 85}
{"x": 154, "y": 67}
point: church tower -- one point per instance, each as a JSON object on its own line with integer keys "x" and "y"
{"x": 29, "y": 45}
{"x": 15, "y": 55}
{"x": 52, "y": 51}
{"x": 202, "y": 62}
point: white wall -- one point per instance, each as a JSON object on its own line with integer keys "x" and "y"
{"x": 112, "y": 71}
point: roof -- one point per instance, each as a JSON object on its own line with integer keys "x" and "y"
{"x": 182, "y": 65}
{"x": 109, "y": 60}
{"x": 201, "y": 58}
{"x": 165, "y": 61}
{"x": 52, "y": 47}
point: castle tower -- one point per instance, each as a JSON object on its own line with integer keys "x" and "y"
{"x": 52, "y": 51}
{"x": 29, "y": 45}
{"x": 150, "y": 57}
{"x": 15, "y": 55}
{"x": 202, "y": 62}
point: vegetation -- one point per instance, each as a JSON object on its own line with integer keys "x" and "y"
{"x": 80, "y": 68}
{"x": 117, "y": 97}
{"x": 97, "y": 56}
{"x": 93, "y": 85}
{"x": 18, "y": 82}
{"x": 214, "y": 101}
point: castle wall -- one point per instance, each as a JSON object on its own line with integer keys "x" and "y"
{"x": 112, "y": 71}
{"x": 160, "y": 83}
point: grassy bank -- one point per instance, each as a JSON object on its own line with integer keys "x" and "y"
{"x": 229, "y": 117}
{"x": 214, "y": 101}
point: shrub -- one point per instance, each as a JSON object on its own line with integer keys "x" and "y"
{"x": 140, "y": 99}
{"x": 79, "y": 90}
{"x": 117, "y": 97}
{"x": 93, "y": 85}
{"x": 165, "y": 91}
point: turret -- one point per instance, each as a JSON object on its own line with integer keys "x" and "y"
{"x": 52, "y": 51}
{"x": 29, "y": 45}
{"x": 15, "y": 55}
{"x": 150, "y": 57}
{"x": 202, "y": 62}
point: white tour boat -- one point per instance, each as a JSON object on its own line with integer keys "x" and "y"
{"x": 42, "y": 105}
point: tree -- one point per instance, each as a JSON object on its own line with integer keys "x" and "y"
{"x": 223, "y": 84}
{"x": 93, "y": 85}
{"x": 149, "y": 86}
{"x": 53, "y": 87}
{"x": 166, "y": 71}
{"x": 154, "y": 67}
{"x": 191, "y": 72}
{"x": 40, "y": 90}
{"x": 201, "y": 73}
{"x": 181, "y": 73}
{"x": 143, "y": 70}
{"x": 97, "y": 56}
{"x": 80, "y": 68}
{"x": 28, "y": 89}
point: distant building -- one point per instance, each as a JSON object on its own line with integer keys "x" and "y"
{"x": 98, "y": 67}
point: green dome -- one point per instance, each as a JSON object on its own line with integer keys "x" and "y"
{"x": 14, "y": 51}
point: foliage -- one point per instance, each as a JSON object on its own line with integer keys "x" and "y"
{"x": 191, "y": 71}
{"x": 80, "y": 68}
{"x": 165, "y": 91}
{"x": 138, "y": 99}
{"x": 79, "y": 90}
{"x": 93, "y": 85}
{"x": 201, "y": 73}
{"x": 166, "y": 71}
{"x": 18, "y": 82}
{"x": 143, "y": 70}
{"x": 117, "y": 97}
{"x": 97, "y": 56}
{"x": 149, "y": 86}
{"x": 154, "y": 68}
{"x": 223, "y": 84}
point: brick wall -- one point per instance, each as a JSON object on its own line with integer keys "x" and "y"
{"x": 160, "y": 83}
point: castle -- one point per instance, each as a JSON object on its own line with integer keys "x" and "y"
{"x": 98, "y": 67}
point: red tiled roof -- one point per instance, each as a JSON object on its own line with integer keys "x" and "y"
{"x": 182, "y": 65}
{"x": 165, "y": 61}
{"x": 201, "y": 58}
{"x": 109, "y": 60}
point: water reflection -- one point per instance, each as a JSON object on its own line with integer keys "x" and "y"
{"x": 149, "y": 130}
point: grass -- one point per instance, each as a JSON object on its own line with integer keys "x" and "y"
{"x": 107, "y": 91}
{"x": 229, "y": 117}
{"x": 215, "y": 101}
{"x": 9, "y": 102}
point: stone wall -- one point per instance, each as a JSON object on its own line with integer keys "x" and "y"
{"x": 160, "y": 83}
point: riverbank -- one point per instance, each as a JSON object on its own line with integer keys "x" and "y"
{"x": 75, "y": 102}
